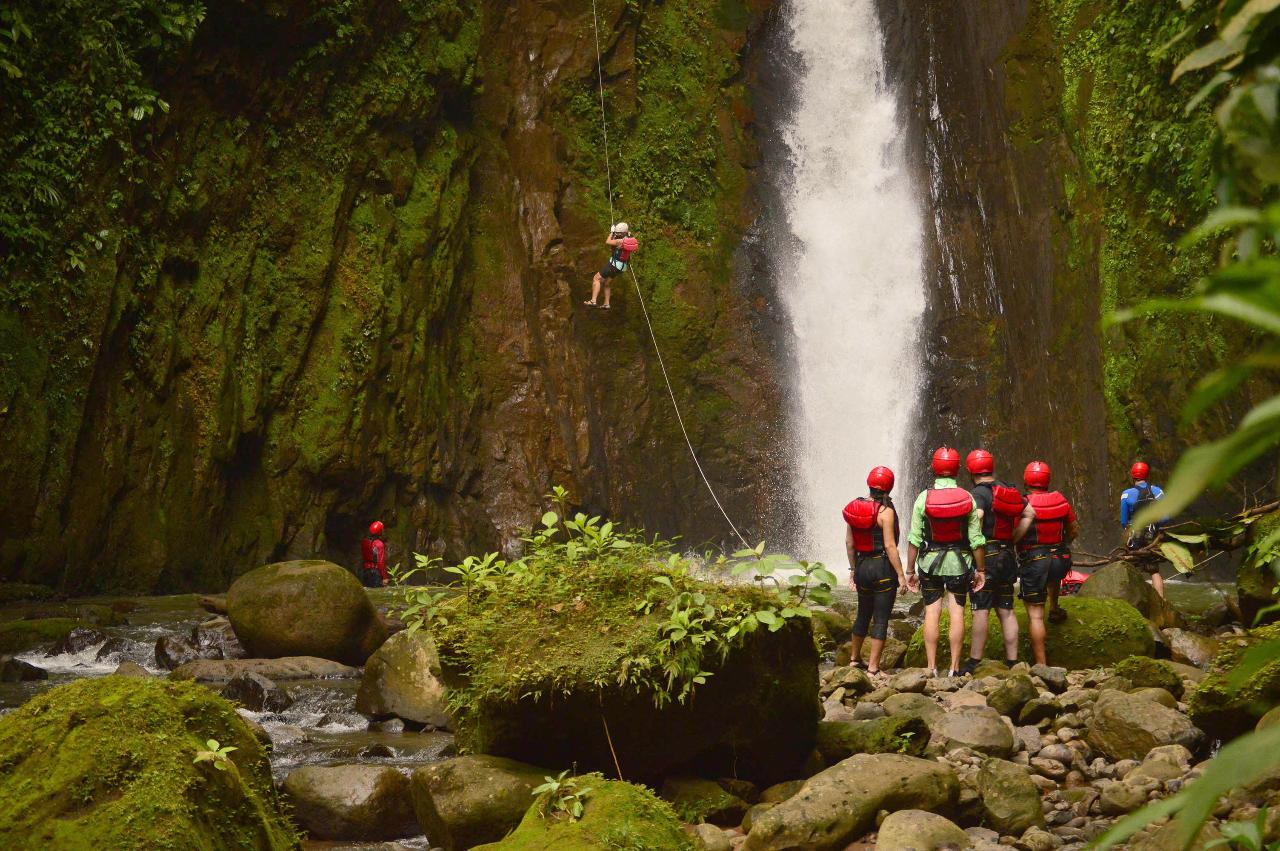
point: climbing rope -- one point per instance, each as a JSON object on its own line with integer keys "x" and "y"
{"x": 604, "y": 126}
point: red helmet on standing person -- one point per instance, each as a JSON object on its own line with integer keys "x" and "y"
{"x": 880, "y": 478}
{"x": 946, "y": 461}
{"x": 1139, "y": 470}
{"x": 375, "y": 528}
{"x": 980, "y": 463}
{"x": 1037, "y": 475}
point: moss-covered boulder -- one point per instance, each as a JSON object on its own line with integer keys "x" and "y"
{"x": 1120, "y": 580}
{"x": 1010, "y": 696}
{"x": 305, "y": 608}
{"x": 402, "y": 678}
{"x": 911, "y": 830}
{"x": 20, "y": 636}
{"x": 1096, "y": 632}
{"x": 1223, "y": 712}
{"x": 1010, "y": 801}
{"x": 698, "y": 800}
{"x": 839, "y": 740}
{"x": 467, "y": 800}
{"x": 1145, "y": 672}
{"x": 1126, "y": 726}
{"x": 615, "y": 815}
{"x": 1255, "y": 580}
{"x": 109, "y": 763}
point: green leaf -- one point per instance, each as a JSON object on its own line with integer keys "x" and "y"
{"x": 767, "y": 617}
{"x": 1249, "y": 16}
{"x": 1178, "y": 555}
{"x": 1188, "y": 539}
{"x": 823, "y": 575}
{"x": 1221, "y": 219}
{"x": 1211, "y": 54}
{"x": 550, "y": 519}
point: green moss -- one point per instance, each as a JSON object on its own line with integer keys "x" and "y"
{"x": 839, "y": 740}
{"x": 1145, "y": 672}
{"x": 12, "y": 592}
{"x": 18, "y": 636}
{"x": 1224, "y": 712}
{"x": 617, "y": 817}
{"x": 108, "y": 763}
{"x": 1096, "y": 633}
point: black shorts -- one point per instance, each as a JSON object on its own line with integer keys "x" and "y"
{"x": 1040, "y": 568}
{"x": 1002, "y": 573}
{"x": 932, "y": 587}
{"x": 874, "y": 575}
{"x": 610, "y": 271}
{"x": 371, "y": 578}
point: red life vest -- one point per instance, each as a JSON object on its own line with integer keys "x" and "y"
{"x": 863, "y": 517}
{"x": 1052, "y": 512}
{"x": 375, "y": 554}
{"x": 1006, "y": 504}
{"x": 629, "y": 246}
{"x": 947, "y": 511}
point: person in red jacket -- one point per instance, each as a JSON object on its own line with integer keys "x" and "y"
{"x": 374, "y": 571}
{"x": 875, "y": 569}
{"x": 1044, "y": 554}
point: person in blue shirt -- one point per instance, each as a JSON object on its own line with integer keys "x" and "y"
{"x": 1131, "y": 501}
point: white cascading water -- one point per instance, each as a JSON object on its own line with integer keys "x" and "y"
{"x": 854, "y": 288}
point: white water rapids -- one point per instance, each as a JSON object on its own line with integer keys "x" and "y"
{"x": 854, "y": 288}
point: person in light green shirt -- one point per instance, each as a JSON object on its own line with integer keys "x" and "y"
{"x": 946, "y": 544}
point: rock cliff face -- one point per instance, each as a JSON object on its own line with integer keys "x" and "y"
{"x": 348, "y": 284}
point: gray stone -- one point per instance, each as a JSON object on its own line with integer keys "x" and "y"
{"x": 1039, "y": 709}
{"x": 78, "y": 640}
{"x": 175, "y": 650}
{"x": 1163, "y": 764}
{"x": 1189, "y": 648}
{"x": 18, "y": 671}
{"x": 364, "y": 802}
{"x": 866, "y": 711}
{"x": 977, "y": 727}
{"x": 913, "y": 704}
{"x": 916, "y": 830}
{"x": 1159, "y": 695}
{"x": 1055, "y": 679}
{"x": 1128, "y": 727}
{"x": 470, "y": 800}
{"x": 1120, "y": 798}
{"x": 1010, "y": 799}
{"x": 708, "y": 837}
{"x": 910, "y": 681}
{"x": 287, "y": 668}
{"x": 1038, "y": 839}
{"x": 1011, "y": 695}
{"x": 256, "y": 692}
{"x": 402, "y": 678}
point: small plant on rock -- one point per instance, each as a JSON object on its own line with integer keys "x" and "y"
{"x": 561, "y": 795}
{"x": 215, "y": 753}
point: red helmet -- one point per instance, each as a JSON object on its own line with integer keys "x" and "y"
{"x": 1139, "y": 470}
{"x": 1037, "y": 475}
{"x": 980, "y": 463}
{"x": 375, "y": 528}
{"x": 880, "y": 478}
{"x": 946, "y": 461}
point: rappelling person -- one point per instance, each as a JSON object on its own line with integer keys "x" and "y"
{"x": 624, "y": 245}
{"x": 1133, "y": 500}
{"x": 1044, "y": 554}
{"x": 946, "y": 536}
{"x": 875, "y": 569}
{"x": 1006, "y": 517}
{"x": 373, "y": 573}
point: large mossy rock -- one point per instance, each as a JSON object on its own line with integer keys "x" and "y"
{"x": 839, "y": 740}
{"x": 1010, "y": 801}
{"x": 838, "y": 805}
{"x": 20, "y": 636}
{"x": 912, "y": 830}
{"x": 1145, "y": 672}
{"x": 1255, "y": 582}
{"x": 978, "y": 728}
{"x": 1129, "y": 726}
{"x": 616, "y": 815}
{"x": 467, "y": 800}
{"x": 1096, "y": 633}
{"x": 286, "y": 668}
{"x": 1223, "y": 712}
{"x": 305, "y": 608}
{"x": 108, "y": 763}
{"x": 1120, "y": 580}
{"x": 402, "y": 678}
{"x": 365, "y": 802}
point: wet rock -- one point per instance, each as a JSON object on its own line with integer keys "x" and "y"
{"x": 1039, "y": 709}
{"x": 173, "y": 651}
{"x": 391, "y": 725}
{"x": 910, "y": 682}
{"x": 1190, "y": 648}
{"x": 913, "y": 704}
{"x": 1055, "y": 679}
{"x": 256, "y": 692}
{"x": 129, "y": 668}
{"x": 1159, "y": 695}
{"x": 1145, "y": 672}
{"x": 866, "y": 711}
{"x": 401, "y": 678}
{"x": 697, "y": 800}
{"x": 470, "y": 800}
{"x": 304, "y": 608}
{"x": 1011, "y": 695}
{"x": 976, "y": 727}
{"x": 1010, "y": 799}
{"x": 708, "y": 837}
{"x": 213, "y": 603}
{"x": 910, "y": 830}
{"x": 1128, "y": 727}
{"x": 17, "y": 671}
{"x": 362, "y": 802}
{"x": 117, "y": 646}
{"x": 1121, "y": 798}
{"x": 1163, "y": 764}
{"x": 215, "y": 639}
{"x": 287, "y": 668}
{"x": 838, "y": 805}
{"x": 78, "y": 640}
{"x": 376, "y": 752}
{"x": 895, "y": 734}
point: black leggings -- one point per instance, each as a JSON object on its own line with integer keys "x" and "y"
{"x": 877, "y": 585}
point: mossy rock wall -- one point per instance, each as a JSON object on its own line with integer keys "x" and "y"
{"x": 1224, "y": 712}
{"x": 108, "y": 763}
{"x": 341, "y": 279}
{"x": 1096, "y": 633}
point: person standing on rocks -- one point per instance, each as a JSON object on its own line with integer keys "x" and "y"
{"x": 946, "y": 537}
{"x": 373, "y": 573}
{"x": 1006, "y": 517}
{"x": 1044, "y": 554}
{"x": 623, "y": 245}
{"x": 875, "y": 569}
{"x": 1134, "y": 499}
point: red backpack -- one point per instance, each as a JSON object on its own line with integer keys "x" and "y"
{"x": 1007, "y": 505}
{"x": 947, "y": 510}
{"x": 629, "y": 246}
{"x": 1052, "y": 510}
{"x": 863, "y": 515}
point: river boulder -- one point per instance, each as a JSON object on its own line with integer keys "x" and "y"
{"x": 17, "y": 671}
{"x": 361, "y": 802}
{"x": 839, "y": 740}
{"x": 836, "y": 806}
{"x": 109, "y": 763}
{"x": 615, "y": 815}
{"x": 23, "y": 635}
{"x": 1120, "y": 580}
{"x": 1127, "y": 726}
{"x": 467, "y": 800}
{"x": 175, "y": 650}
{"x": 1010, "y": 800}
{"x": 287, "y": 668}
{"x": 256, "y": 692}
{"x": 402, "y": 678}
{"x": 698, "y": 800}
{"x": 1145, "y": 672}
{"x": 1224, "y": 712}
{"x": 912, "y": 830}
{"x": 304, "y": 608}
{"x": 1190, "y": 648}
{"x": 979, "y": 728}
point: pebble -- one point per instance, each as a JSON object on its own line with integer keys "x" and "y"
{"x": 1049, "y": 768}
{"x": 1066, "y": 734}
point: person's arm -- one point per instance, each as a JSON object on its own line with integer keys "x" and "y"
{"x": 380, "y": 549}
{"x": 1073, "y": 527}
{"x": 612, "y": 240}
{"x": 976, "y": 543}
{"x": 1126, "y": 510}
{"x": 888, "y": 523}
{"x": 1024, "y": 522}
{"x": 913, "y": 581}
{"x": 915, "y": 537}
{"x": 850, "y": 551}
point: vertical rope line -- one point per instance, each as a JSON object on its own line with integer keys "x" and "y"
{"x": 604, "y": 123}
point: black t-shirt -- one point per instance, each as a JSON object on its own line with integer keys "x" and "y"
{"x": 983, "y": 499}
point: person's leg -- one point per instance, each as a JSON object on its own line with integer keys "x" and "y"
{"x": 1157, "y": 582}
{"x": 607, "y": 291}
{"x": 880, "y": 627}
{"x": 955, "y": 607}
{"x": 595, "y": 289}
{"x": 1009, "y": 629}
{"x": 981, "y": 620}
{"x": 1036, "y": 631}
{"x": 1056, "y": 613}
{"x": 932, "y": 617}
{"x": 861, "y": 624}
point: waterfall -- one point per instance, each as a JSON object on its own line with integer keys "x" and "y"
{"x": 852, "y": 280}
